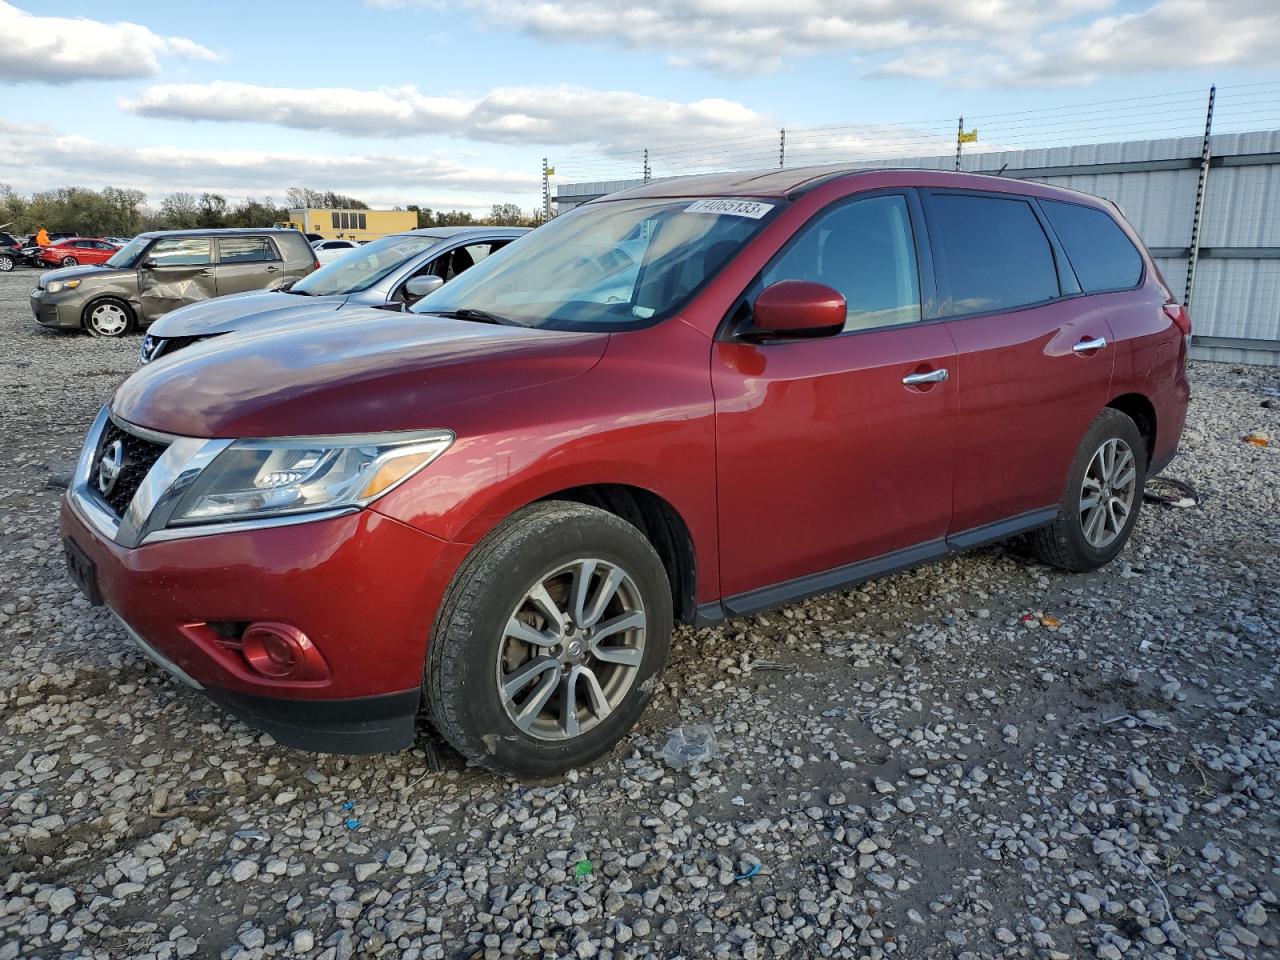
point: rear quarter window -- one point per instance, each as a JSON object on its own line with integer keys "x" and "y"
{"x": 1103, "y": 257}
{"x": 993, "y": 253}
{"x": 294, "y": 246}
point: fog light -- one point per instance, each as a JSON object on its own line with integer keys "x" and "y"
{"x": 282, "y": 652}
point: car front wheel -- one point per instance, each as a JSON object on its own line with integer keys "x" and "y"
{"x": 547, "y": 644}
{"x": 6, "y": 263}
{"x": 70, "y": 262}
{"x": 108, "y": 318}
{"x": 1102, "y": 498}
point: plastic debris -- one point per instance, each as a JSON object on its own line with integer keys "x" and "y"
{"x": 349, "y": 805}
{"x": 690, "y": 746}
{"x": 1257, "y": 438}
{"x": 353, "y": 823}
{"x": 1050, "y": 621}
{"x": 749, "y": 873}
{"x": 582, "y": 869}
{"x": 1171, "y": 493}
{"x": 252, "y": 834}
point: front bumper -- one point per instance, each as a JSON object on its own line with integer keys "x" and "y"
{"x": 363, "y": 587}
{"x": 56, "y": 310}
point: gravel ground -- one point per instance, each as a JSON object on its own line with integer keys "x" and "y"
{"x": 982, "y": 758}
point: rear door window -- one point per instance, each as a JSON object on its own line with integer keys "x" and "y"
{"x": 991, "y": 253}
{"x": 866, "y": 251}
{"x": 245, "y": 250}
{"x": 183, "y": 252}
{"x": 1103, "y": 257}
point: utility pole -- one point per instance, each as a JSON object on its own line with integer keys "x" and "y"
{"x": 647, "y": 172}
{"x": 546, "y": 192}
{"x": 782, "y": 147}
{"x": 1193, "y": 251}
{"x": 959, "y": 139}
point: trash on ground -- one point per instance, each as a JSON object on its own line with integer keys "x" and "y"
{"x": 1257, "y": 438}
{"x": 689, "y": 746}
{"x": 749, "y": 873}
{"x": 253, "y": 834}
{"x": 1050, "y": 621}
{"x": 582, "y": 869}
{"x": 1171, "y": 493}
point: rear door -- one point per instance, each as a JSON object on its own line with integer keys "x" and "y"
{"x": 246, "y": 263}
{"x": 175, "y": 271}
{"x": 836, "y": 450}
{"x": 1034, "y": 358}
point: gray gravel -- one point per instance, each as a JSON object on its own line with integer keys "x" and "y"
{"x": 982, "y": 758}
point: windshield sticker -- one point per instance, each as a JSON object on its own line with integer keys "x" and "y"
{"x": 752, "y": 209}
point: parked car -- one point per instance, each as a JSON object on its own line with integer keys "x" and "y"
{"x": 391, "y": 272}
{"x": 10, "y": 252}
{"x": 500, "y": 501}
{"x": 161, "y": 271}
{"x": 76, "y": 251}
{"x": 329, "y": 250}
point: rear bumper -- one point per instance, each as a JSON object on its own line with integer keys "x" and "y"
{"x": 362, "y": 587}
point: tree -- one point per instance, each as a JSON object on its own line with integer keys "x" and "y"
{"x": 180, "y": 211}
{"x": 213, "y": 210}
{"x": 506, "y": 214}
{"x": 299, "y": 198}
{"x": 453, "y": 218}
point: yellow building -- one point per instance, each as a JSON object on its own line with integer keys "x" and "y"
{"x": 352, "y": 224}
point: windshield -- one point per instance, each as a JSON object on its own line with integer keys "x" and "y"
{"x": 362, "y": 267}
{"x": 127, "y": 256}
{"x": 607, "y": 266}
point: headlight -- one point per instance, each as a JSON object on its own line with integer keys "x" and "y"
{"x": 58, "y": 285}
{"x": 264, "y": 478}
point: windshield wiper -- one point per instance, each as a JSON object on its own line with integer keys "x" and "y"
{"x": 479, "y": 316}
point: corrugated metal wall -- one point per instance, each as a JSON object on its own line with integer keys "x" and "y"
{"x": 1236, "y": 303}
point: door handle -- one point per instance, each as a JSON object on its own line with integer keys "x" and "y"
{"x": 272, "y": 269}
{"x": 933, "y": 376}
{"x": 1088, "y": 346}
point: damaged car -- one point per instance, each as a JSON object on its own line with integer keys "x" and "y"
{"x": 160, "y": 271}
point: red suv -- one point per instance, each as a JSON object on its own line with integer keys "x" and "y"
{"x": 77, "y": 250}
{"x": 692, "y": 401}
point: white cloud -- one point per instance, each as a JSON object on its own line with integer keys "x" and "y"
{"x": 40, "y": 158}
{"x": 57, "y": 50}
{"x": 515, "y": 115}
{"x": 757, "y": 36}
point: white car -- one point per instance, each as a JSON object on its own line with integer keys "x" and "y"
{"x": 328, "y": 250}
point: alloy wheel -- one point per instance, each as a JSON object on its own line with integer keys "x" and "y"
{"x": 70, "y": 262}
{"x": 1107, "y": 493}
{"x": 571, "y": 650}
{"x": 108, "y": 319}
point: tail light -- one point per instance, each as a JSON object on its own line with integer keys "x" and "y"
{"x": 1179, "y": 315}
{"x": 315, "y": 263}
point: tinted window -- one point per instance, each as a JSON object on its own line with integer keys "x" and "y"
{"x": 1103, "y": 257}
{"x": 865, "y": 250}
{"x": 993, "y": 253}
{"x": 336, "y": 221}
{"x": 245, "y": 250}
{"x": 181, "y": 253}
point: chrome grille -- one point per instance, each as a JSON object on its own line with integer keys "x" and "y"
{"x": 139, "y": 456}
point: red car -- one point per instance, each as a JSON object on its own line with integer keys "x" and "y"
{"x": 691, "y": 401}
{"x": 77, "y": 250}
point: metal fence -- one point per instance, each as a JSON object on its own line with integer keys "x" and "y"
{"x": 1208, "y": 207}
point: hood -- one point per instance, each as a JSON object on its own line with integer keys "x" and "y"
{"x": 363, "y": 371}
{"x": 72, "y": 273}
{"x": 241, "y": 311}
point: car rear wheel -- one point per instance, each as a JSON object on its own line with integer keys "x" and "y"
{"x": 70, "y": 262}
{"x": 545, "y": 649}
{"x": 6, "y": 263}
{"x": 1102, "y": 498}
{"x": 108, "y": 318}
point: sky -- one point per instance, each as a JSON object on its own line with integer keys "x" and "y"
{"x": 454, "y": 103}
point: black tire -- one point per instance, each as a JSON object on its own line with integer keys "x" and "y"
{"x": 461, "y": 679}
{"x": 70, "y": 262}
{"x": 6, "y": 263}
{"x": 1063, "y": 543}
{"x": 97, "y": 327}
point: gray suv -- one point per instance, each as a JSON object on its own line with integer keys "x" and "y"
{"x": 391, "y": 273}
{"x": 161, "y": 271}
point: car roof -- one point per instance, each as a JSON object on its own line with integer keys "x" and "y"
{"x": 791, "y": 183}
{"x": 220, "y": 232}
{"x": 445, "y": 233}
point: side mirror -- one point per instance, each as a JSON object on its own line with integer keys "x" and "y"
{"x": 419, "y": 287}
{"x": 798, "y": 308}
{"x": 150, "y": 263}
